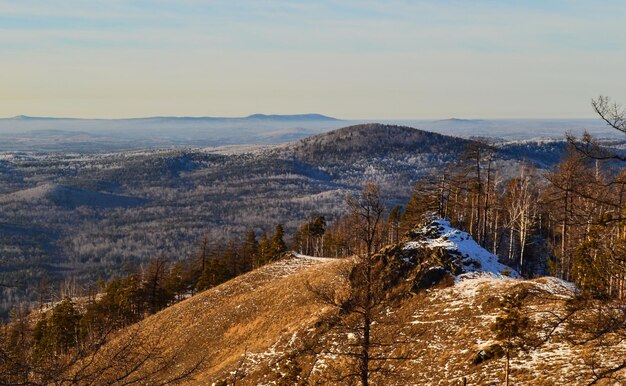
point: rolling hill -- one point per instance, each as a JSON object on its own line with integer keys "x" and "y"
{"x": 372, "y": 140}
{"x": 135, "y": 205}
{"x": 69, "y": 197}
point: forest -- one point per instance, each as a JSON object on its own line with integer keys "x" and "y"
{"x": 84, "y": 217}
{"x": 567, "y": 222}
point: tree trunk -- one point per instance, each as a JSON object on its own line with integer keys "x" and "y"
{"x": 506, "y": 367}
{"x": 367, "y": 323}
{"x": 511, "y": 243}
{"x": 564, "y": 235}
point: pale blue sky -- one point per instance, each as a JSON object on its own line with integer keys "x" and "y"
{"x": 351, "y": 59}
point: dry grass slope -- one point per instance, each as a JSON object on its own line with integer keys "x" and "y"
{"x": 248, "y": 328}
{"x": 244, "y": 316}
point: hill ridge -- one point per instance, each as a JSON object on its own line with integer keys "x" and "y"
{"x": 256, "y": 325}
{"x": 294, "y": 117}
{"x": 371, "y": 139}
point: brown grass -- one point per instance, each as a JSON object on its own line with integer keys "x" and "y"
{"x": 258, "y": 324}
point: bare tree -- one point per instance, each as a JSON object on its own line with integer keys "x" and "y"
{"x": 612, "y": 113}
{"x": 368, "y": 207}
{"x": 521, "y": 207}
{"x": 615, "y": 116}
{"x": 360, "y": 303}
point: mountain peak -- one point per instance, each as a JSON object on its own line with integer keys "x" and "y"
{"x": 459, "y": 120}
{"x": 371, "y": 139}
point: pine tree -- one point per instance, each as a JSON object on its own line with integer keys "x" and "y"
{"x": 264, "y": 253}
{"x": 424, "y": 201}
{"x": 175, "y": 281}
{"x": 250, "y": 250}
{"x": 155, "y": 290}
{"x": 309, "y": 238}
{"x": 278, "y": 246}
{"x": 510, "y": 326}
{"x": 63, "y": 326}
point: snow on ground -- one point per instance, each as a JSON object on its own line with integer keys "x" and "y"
{"x": 556, "y": 286}
{"x": 440, "y": 234}
{"x": 315, "y": 258}
{"x": 293, "y": 263}
{"x": 236, "y": 149}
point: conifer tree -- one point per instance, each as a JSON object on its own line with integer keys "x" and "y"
{"x": 278, "y": 246}
{"x": 250, "y": 250}
{"x": 58, "y": 333}
{"x": 155, "y": 289}
{"x": 510, "y": 326}
{"x": 264, "y": 254}
{"x": 175, "y": 281}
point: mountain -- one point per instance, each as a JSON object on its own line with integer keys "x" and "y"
{"x": 271, "y": 326}
{"x": 459, "y": 120}
{"x": 29, "y": 118}
{"x": 514, "y": 129}
{"x": 294, "y": 117}
{"x": 25, "y": 133}
{"x": 372, "y": 140}
{"x": 138, "y": 204}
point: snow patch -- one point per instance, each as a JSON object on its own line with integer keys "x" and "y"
{"x": 440, "y": 234}
{"x": 315, "y": 258}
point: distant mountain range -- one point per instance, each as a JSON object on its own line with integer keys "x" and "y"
{"x": 27, "y": 133}
{"x": 274, "y": 117}
{"x": 85, "y": 214}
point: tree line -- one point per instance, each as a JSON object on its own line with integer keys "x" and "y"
{"x": 52, "y": 344}
{"x": 570, "y": 217}
{"x": 567, "y": 221}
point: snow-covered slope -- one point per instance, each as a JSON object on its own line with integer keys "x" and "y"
{"x": 438, "y": 233}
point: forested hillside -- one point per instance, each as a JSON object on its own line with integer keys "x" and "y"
{"x": 371, "y": 272}
{"x": 84, "y": 217}
{"x": 440, "y": 309}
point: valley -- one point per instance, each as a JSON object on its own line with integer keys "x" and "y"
{"x": 87, "y": 216}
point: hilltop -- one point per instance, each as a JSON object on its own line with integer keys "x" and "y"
{"x": 270, "y": 326}
{"x": 372, "y": 140}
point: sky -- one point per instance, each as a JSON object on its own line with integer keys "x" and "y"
{"x": 353, "y": 59}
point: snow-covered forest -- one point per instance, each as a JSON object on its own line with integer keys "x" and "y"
{"x": 85, "y": 217}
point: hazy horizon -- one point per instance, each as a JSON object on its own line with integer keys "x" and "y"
{"x": 352, "y": 59}
{"x": 431, "y": 119}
